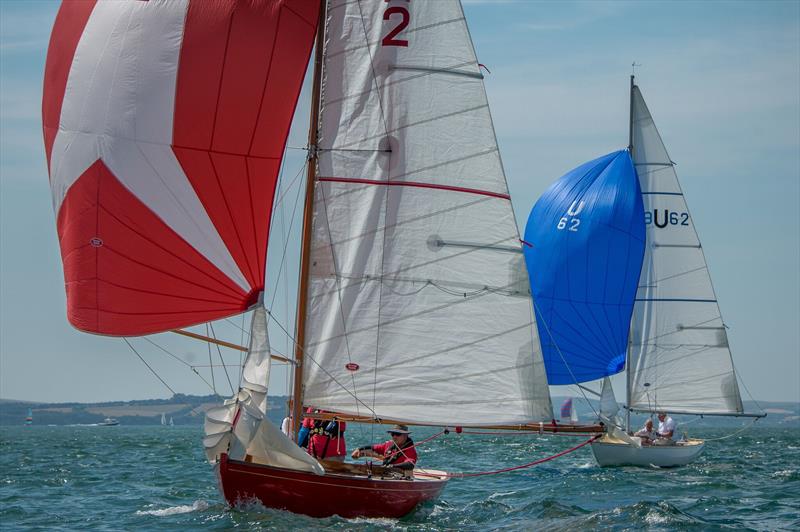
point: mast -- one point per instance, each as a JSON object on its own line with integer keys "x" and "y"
{"x": 302, "y": 290}
{"x": 630, "y": 329}
{"x": 630, "y": 120}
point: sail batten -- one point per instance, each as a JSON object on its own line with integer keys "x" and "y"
{"x": 680, "y": 359}
{"x": 411, "y": 306}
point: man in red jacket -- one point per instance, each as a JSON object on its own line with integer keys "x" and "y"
{"x": 399, "y": 452}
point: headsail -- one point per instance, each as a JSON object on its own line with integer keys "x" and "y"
{"x": 680, "y": 359}
{"x": 240, "y": 426}
{"x": 164, "y": 127}
{"x": 584, "y": 248}
{"x": 418, "y": 306}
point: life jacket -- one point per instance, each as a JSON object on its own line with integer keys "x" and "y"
{"x": 394, "y": 453}
{"x": 330, "y": 430}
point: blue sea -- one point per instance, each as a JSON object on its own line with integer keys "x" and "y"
{"x": 145, "y": 478}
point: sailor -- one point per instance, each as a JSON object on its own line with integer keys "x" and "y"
{"x": 666, "y": 430}
{"x": 305, "y": 429}
{"x": 326, "y": 440}
{"x": 398, "y": 452}
{"x": 647, "y": 434}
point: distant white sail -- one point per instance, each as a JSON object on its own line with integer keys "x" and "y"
{"x": 419, "y": 306}
{"x": 680, "y": 357}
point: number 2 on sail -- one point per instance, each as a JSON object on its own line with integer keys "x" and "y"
{"x": 405, "y": 17}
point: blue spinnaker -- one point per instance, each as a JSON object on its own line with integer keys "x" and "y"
{"x": 584, "y": 248}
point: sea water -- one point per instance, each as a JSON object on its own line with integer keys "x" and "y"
{"x": 146, "y": 478}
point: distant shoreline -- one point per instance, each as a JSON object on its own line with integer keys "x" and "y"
{"x": 190, "y": 410}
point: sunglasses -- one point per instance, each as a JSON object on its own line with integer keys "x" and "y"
{"x": 395, "y": 434}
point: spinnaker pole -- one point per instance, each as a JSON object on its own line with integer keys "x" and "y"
{"x": 305, "y": 247}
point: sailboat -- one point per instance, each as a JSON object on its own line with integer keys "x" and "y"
{"x": 163, "y": 419}
{"x": 568, "y": 412}
{"x": 165, "y": 125}
{"x": 621, "y": 284}
{"x": 29, "y": 417}
{"x": 171, "y": 422}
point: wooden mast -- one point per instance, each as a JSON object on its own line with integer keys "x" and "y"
{"x": 302, "y": 290}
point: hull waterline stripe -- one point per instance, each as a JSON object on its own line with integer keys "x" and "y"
{"x": 415, "y": 184}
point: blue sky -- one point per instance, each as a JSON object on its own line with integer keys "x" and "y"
{"x": 722, "y": 80}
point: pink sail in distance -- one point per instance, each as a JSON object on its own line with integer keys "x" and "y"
{"x": 164, "y": 128}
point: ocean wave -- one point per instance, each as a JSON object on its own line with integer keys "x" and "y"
{"x": 174, "y": 510}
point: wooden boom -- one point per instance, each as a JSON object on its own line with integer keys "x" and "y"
{"x": 196, "y": 336}
{"x": 551, "y": 427}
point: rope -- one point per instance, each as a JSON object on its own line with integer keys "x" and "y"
{"x": 746, "y": 427}
{"x": 523, "y": 466}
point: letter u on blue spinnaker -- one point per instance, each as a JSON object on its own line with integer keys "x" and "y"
{"x": 585, "y": 241}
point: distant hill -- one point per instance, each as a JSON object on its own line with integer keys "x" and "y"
{"x": 183, "y": 409}
{"x": 190, "y": 410}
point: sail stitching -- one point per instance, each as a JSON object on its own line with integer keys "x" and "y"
{"x": 266, "y": 79}
{"x": 339, "y": 294}
{"x": 342, "y": 147}
{"x": 436, "y": 308}
{"x": 188, "y": 216}
{"x": 221, "y": 79}
{"x": 167, "y": 251}
{"x": 383, "y": 247}
{"x": 230, "y": 215}
{"x": 450, "y": 349}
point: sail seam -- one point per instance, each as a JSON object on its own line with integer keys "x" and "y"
{"x": 233, "y": 224}
{"x": 436, "y": 308}
{"x": 266, "y": 80}
{"x": 343, "y": 147}
{"x": 339, "y": 297}
{"x": 176, "y": 257}
{"x": 399, "y": 81}
{"x": 447, "y": 350}
{"x": 418, "y": 184}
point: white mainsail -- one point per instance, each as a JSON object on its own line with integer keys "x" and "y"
{"x": 418, "y": 305}
{"x": 680, "y": 360}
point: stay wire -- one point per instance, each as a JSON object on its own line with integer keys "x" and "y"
{"x": 148, "y": 366}
{"x": 537, "y": 312}
{"x": 191, "y": 367}
{"x": 219, "y": 352}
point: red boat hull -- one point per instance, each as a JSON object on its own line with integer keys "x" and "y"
{"x": 324, "y": 495}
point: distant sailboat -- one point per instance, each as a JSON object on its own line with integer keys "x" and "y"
{"x": 29, "y": 417}
{"x": 163, "y": 419}
{"x": 171, "y": 423}
{"x": 631, "y": 294}
{"x": 568, "y": 412}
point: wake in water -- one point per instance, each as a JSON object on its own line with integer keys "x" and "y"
{"x": 175, "y": 510}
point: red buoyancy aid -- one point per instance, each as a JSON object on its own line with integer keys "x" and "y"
{"x": 392, "y": 455}
{"x": 327, "y": 439}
